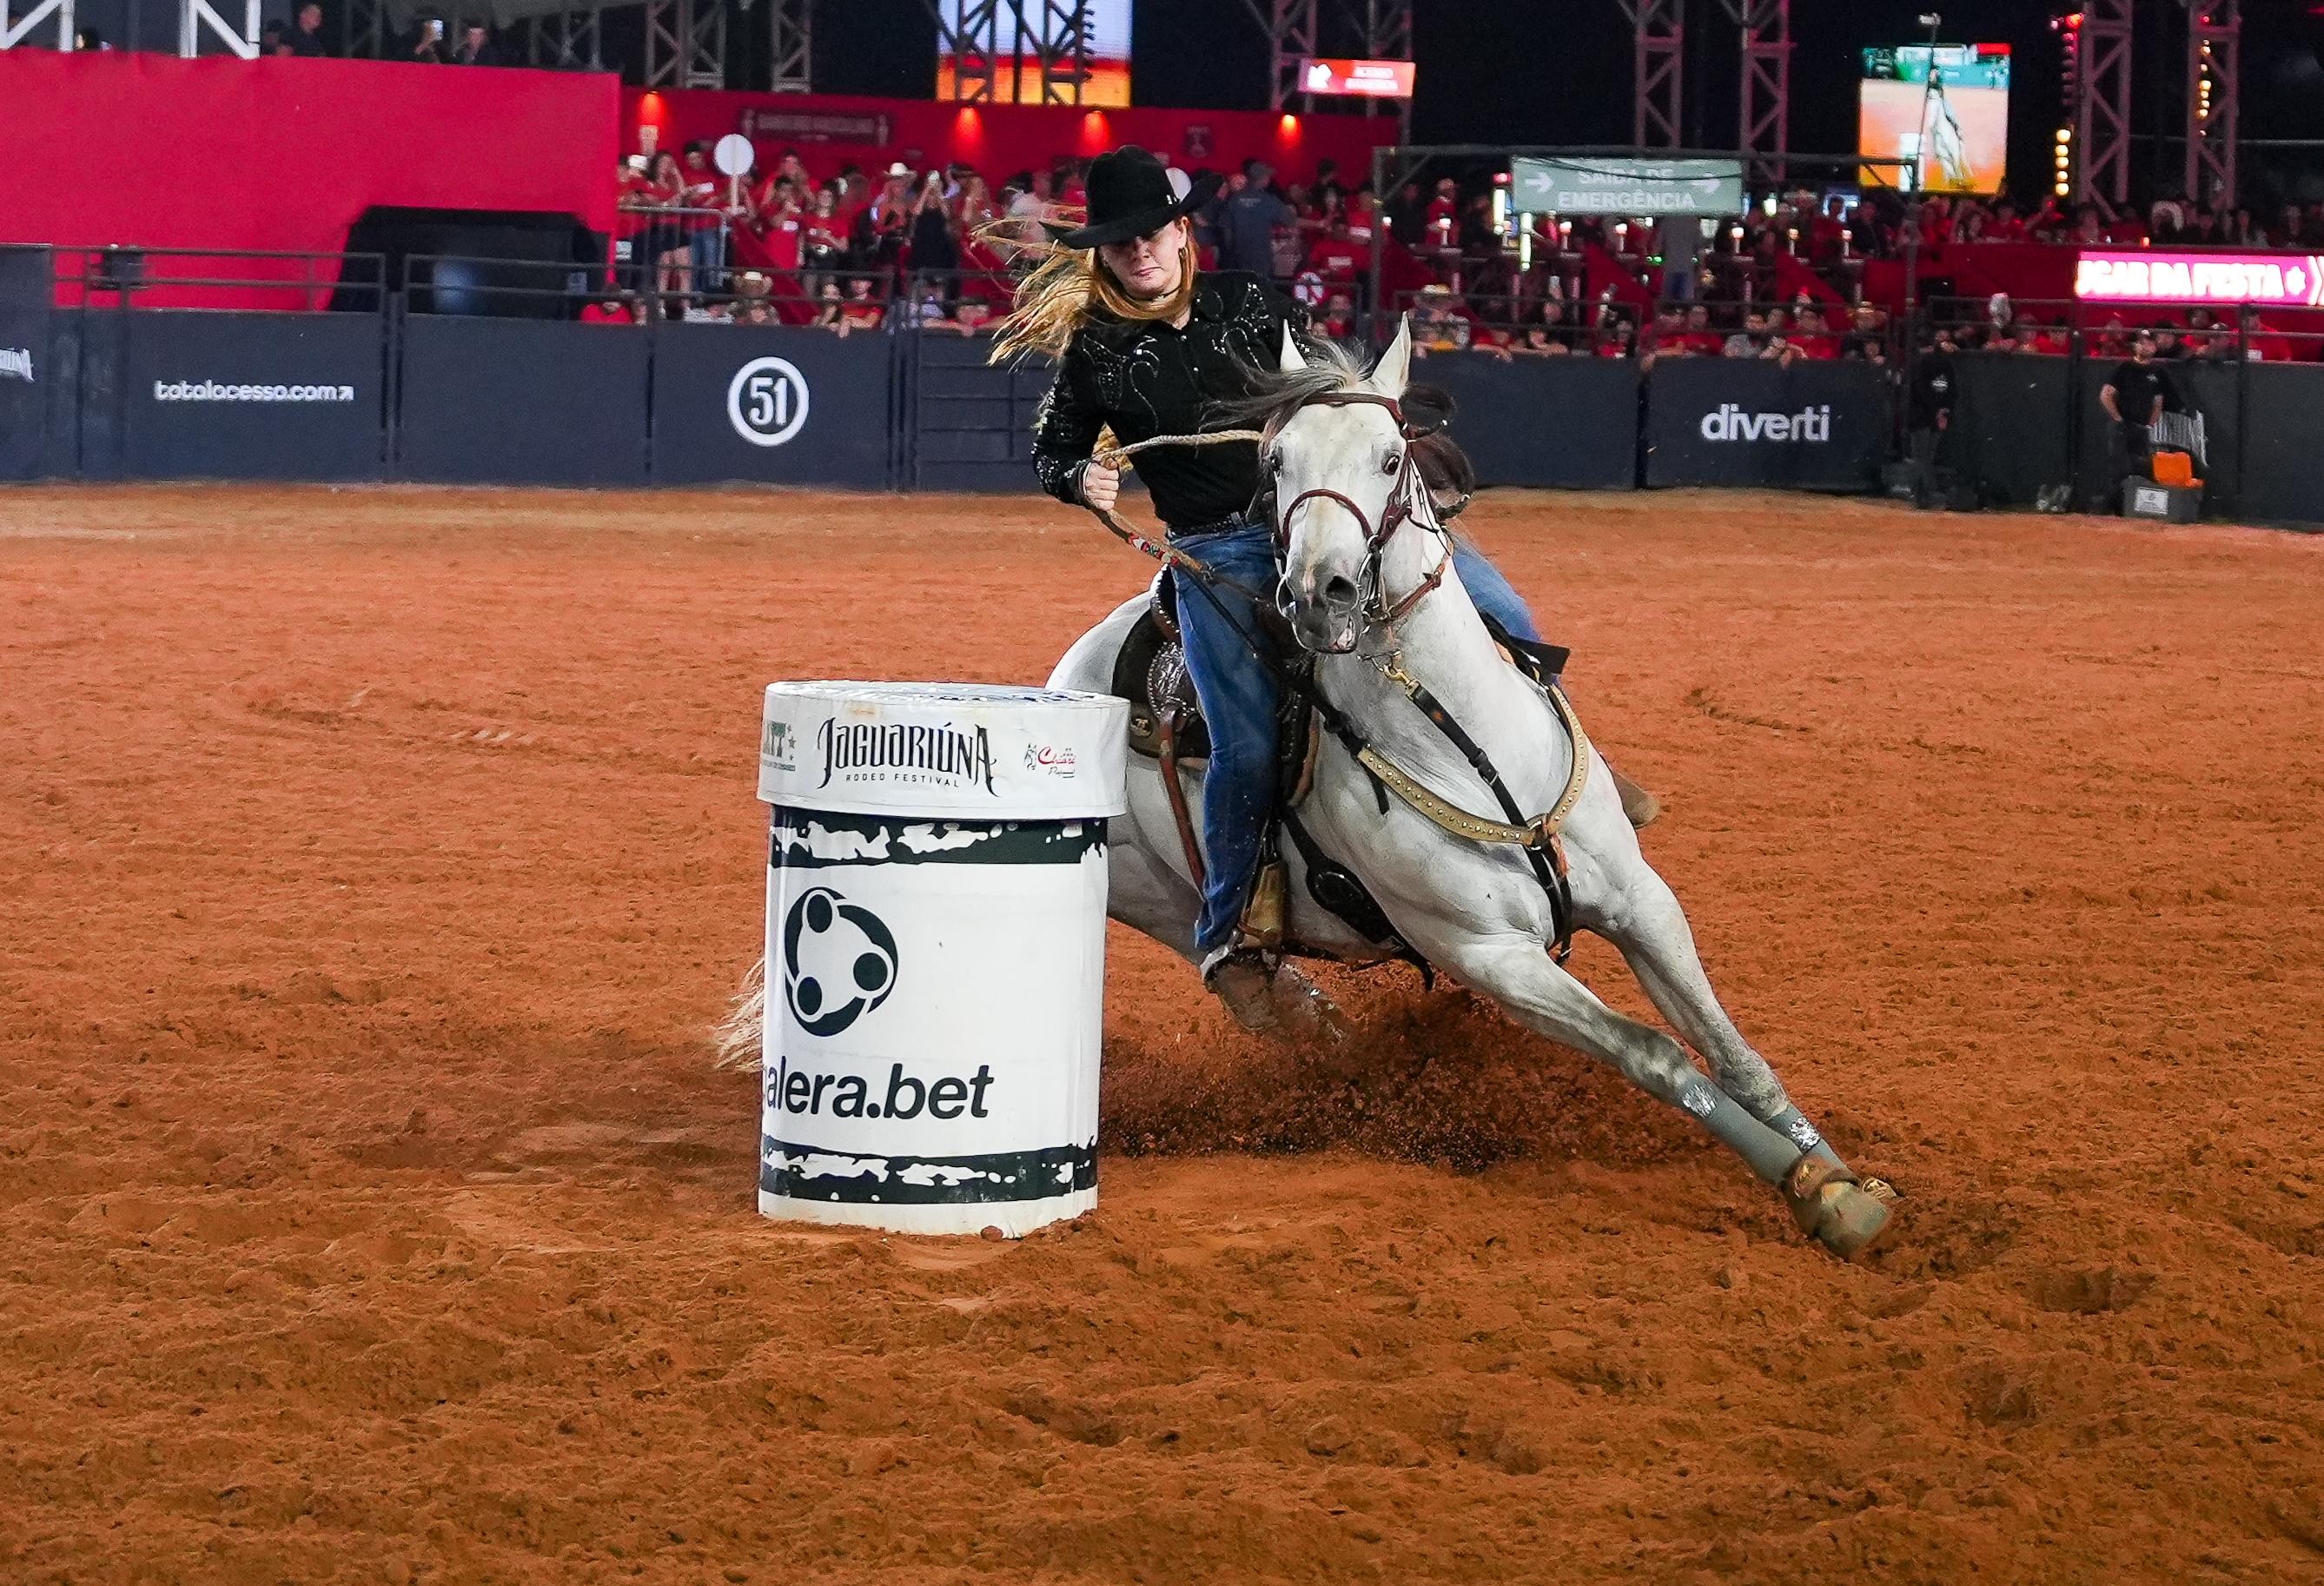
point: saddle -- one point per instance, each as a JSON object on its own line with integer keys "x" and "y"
{"x": 1167, "y": 725}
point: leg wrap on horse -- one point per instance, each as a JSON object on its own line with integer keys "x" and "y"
{"x": 1770, "y": 1155}
{"x": 1794, "y": 1126}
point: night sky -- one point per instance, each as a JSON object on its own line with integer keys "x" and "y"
{"x": 1558, "y": 71}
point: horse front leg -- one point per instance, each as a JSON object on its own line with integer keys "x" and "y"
{"x": 1513, "y": 970}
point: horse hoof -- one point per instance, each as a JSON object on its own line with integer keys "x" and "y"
{"x": 1845, "y": 1215}
{"x": 1851, "y": 1221}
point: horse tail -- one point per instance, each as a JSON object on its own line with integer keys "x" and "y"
{"x": 738, "y": 1040}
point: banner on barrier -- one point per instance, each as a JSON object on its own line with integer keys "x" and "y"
{"x": 1564, "y": 423}
{"x": 770, "y": 404}
{"x": 1819, "y": 426}
{"x": 249, "y": 395}
{"x": 25, "y": 378}
{"x": 521, "y": 401}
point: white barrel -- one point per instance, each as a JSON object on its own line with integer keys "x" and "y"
{"x": 935, "y": 951}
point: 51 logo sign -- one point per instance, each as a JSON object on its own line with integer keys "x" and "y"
{"x": 767, "y": 400}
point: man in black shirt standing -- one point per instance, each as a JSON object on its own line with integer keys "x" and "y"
{"x": 1932, "y": 413}
{"x": 2133, "y": 396}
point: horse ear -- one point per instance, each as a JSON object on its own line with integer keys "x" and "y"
{"x": 1395, "y": 365}
{"x": 1290, "y": 362}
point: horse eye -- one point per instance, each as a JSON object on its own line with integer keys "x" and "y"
{"x": 1391, "y": 462}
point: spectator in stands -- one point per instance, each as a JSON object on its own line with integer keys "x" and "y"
{"x": 305, "y": 35}
{"x": 1752, "y": 341}
{"x": 428, "y": 47}
{"x": 1437, "y": 326}
{"x": 936, "y": 256}
{"x": 1867, "y": 340}
{"x": 877, "y": 235}
{"x": 665, "y": 238}
{"x": 830, "y": 305}
{"x": 704, "y": 223}
{"x": 823, "y": 243}
{"x": 1813, "y": 342}
{"x": 1697, "y": 337}
{"x": 861, "y": 310}
{"x": 1617, "y": 339}
{"x": 1338, "y": 320}
{"x": 1247, "y": 221}
{"x": 271, "y": 42}
{"x": 2135, "y": 395}
{"x": 608, "y": 308}
{"x": 477, "y": 47}
{"x": 1029, "y": 209}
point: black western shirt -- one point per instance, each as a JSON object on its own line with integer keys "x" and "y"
{"x": 1148, "y": 378}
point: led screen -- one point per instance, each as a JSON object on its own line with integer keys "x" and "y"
{"x": 1943, "y": 107}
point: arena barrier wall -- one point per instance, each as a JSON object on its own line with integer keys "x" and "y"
{"x": 2013, "y": 429}
{"x": 771, "y": 406}
{"x": 27, "y": 375}
{"x": 969, "y": 425}
{"x": 118, "y": 391}
{"x": 520, "y": 402}
{"x": 1813, "y": 426}
{"x": 240, "y": 396}
{"x": 2282, "y": 438}
{"x": 1565, "y": 423}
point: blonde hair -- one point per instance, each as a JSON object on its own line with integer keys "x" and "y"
{"x": 1070, "y": 286}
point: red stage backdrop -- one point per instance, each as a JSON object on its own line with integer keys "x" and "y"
{"x": 283, "y": 153}
{"x": 1000, "y": 140}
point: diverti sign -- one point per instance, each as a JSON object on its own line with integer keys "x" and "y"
{"x": 1584, "y": 184}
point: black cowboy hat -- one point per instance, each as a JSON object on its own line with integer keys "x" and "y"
{"x": 1130, "y": 193}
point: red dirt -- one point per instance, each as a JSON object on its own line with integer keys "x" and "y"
{"x": 375, "y": 860}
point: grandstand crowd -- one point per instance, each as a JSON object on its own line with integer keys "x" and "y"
{"x": 855, "y": 250}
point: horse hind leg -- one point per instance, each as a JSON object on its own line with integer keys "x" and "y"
{"x": 1546, "y": 999}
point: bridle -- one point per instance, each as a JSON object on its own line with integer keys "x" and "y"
{"x": 1394, "y": 516}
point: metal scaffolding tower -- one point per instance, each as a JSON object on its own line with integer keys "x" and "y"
{"x": 1388, "y": 36}
{"x": 1051, "y": 36}
{"x": 2101, "y": 102}
{"x": 1659, "y": 29}
{"x": 567, "y": 41}
{"x": 1290, "y": 27}
{"x": 2214, "y": 90}
{"x": 791, "y": 67}
{"x": 14, "y": 31}
{"x": 1767, "y": 96}
{"x": 685, "y": 43}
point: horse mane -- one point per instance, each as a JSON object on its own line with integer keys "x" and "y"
{"x": 1271, "y": 395}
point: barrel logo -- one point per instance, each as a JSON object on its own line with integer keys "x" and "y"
{"x": 839, "y": 961}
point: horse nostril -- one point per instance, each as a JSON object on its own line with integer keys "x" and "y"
{"x": 1339, "y": 589}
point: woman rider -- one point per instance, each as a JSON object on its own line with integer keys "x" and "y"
{"x": 1147, "y": 346}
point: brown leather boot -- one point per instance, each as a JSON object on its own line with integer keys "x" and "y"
{"x": 1641, "y": 806}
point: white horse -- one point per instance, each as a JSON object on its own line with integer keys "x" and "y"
{"x": 1363, "y": 545}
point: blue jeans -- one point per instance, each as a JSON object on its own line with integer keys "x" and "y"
{"x": 707, "y": 253}
{"x": 1240, "y": 698}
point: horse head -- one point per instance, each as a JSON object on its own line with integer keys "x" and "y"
{"x": 1338, "y": 462}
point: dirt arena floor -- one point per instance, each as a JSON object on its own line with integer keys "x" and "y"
{"x": 372, "y": 863}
